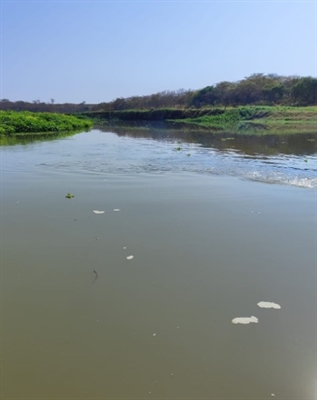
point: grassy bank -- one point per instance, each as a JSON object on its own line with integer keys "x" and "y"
{"x": 25, "y": 123}
{"x": 252, "y": 119}
{"x": 260, "y": 119}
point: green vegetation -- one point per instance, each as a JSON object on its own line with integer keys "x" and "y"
{"x": 259, "y": 119}
{"x": 240, "y": 119}
{"x": 257, "y": 89}
{"x": 260, "y": 89}
{"x": 14, "y": 123}
{"x": 226, "y": 119}
{"x": 69, "y": 196}
{"x": 159, "y": 114}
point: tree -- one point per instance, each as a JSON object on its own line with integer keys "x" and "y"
{"x": 274, "y": 93}
{"x": 246, "y": 92}
{"x": 304, "y": 91}
{"x": 206, "y": 96}
{"x": 225, "y": 93}
{"x": 119, "y": 104}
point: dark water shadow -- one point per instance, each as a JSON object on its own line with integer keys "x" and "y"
{"x": 27, "y": 138}
{"x": 300, "y": 144}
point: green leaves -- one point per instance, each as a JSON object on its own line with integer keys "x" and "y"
{"x": 12, "y": 122}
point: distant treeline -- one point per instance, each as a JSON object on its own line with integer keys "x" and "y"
{"x": 257, "y": 89}
{"x": 38, "y": 106}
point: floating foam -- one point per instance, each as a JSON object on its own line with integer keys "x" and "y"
{"x": 130, "y": 257}
{"x": 269, "y": 304}
{"x": 245, "y": 320}
{"x": 98, "y": 212}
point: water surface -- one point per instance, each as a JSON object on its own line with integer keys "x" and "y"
{"x": 210, "y": 240}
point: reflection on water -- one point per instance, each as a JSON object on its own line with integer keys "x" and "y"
{"x": 286, "y": 159}
{"x": 32, "y": 138}
{"x": 289, "y": 160}
{"x": 139, "y": 304}
{"x": 254, "y": 145}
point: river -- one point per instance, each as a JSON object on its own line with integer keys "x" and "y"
{"x": 128, "y": 290}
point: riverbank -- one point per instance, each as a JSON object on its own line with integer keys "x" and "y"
{"x": 259, "y": 120}
{"x": 253, "y": 119}
{"x": 25, "y": 123}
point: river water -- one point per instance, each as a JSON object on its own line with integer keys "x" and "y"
{"x": 214, "y": 225}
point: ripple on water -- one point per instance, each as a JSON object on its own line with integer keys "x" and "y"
{"x": 100, "y": 153}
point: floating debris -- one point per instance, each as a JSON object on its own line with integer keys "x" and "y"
{"x": 245, "y": 320}
{"x": 116, "y": 209}
{"x": 124, "y": 248}
{"x": 96, "y": 276}
{"x": 69, "y": 196}
{"x": 154, "y": 334}
{"x": 130, "y": 257}
{"x": 269, "y": 304}
{"x": 98, "y": 212}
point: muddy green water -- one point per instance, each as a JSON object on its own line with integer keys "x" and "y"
{"x": 209, "y": 242}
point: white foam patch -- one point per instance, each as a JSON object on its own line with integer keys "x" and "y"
{"x": 245, "y": 320}
{"x": 310, "y": 183}
{"x": 269, "y": 304}
{"x": 130, "y": 257}
{"x": 116, "y": 209}
{"x": 303, "y": 182}
{"x": 98, "y": 212}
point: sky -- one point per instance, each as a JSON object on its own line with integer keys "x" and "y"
{"x": 97, "y": 51}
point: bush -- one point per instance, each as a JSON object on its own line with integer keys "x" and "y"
{"x": 12, "y": 122}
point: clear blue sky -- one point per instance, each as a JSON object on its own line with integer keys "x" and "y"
{"x": 94, "y": 51}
